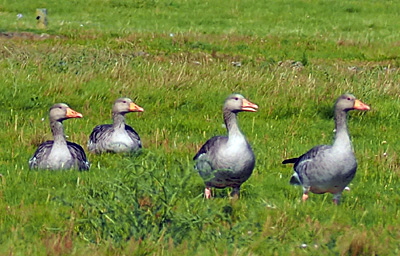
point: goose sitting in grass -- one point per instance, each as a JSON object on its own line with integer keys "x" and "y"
{"x": 329, "y": 168}
{"x": 59, "y": 154}
{"x": 227, "y": 161}
{"x": 117, "y": 137}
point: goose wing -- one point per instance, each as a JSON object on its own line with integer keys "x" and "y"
{"x": 99, "y": 132}
{"x": 78, "y": 154}
{"x": 306, "y": 164}
{"x": 133, "y": 135}
{"x": 40, "y": 154}
{"x": 210, "y": 146}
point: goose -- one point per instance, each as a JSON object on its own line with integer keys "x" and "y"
{"x": 117, "y": 137}
{"x": 227, "y": 161}
{"x": 329, "y": 168}
{"x": 59, "y": 154}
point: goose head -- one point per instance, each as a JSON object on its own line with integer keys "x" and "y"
{"x": 125, "y": 105}
{"x": 237, "y": 103}
{"x": 61, "y": 111}
{"x": 348, "y": 102}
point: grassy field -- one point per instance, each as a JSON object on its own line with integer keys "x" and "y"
{"x": 179, "y": 60}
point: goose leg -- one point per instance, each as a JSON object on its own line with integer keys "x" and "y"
{"x": 235, "y": 192}
{"x": 305, "y": 193}
{"x": 336, "y": 198}
{"x": 207, "y": 193}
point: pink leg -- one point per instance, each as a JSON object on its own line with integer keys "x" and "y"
{"x": 336, "y": 198}
{"x": 305, "y": 193}
{"x": 207, "y": 193}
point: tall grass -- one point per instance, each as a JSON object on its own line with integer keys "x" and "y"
{"x": 179, "y": 60}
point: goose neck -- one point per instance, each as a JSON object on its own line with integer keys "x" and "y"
{"x": 342, "y": 136}
{"x": 118, "y": 120}
{"x": 231, "y": 124}
{"x": 58, "y": 132}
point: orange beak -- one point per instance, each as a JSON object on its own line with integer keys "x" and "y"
{"x": 135, "y": 108}
{"x": 359, "y": 105}
{"x": 249, "y": 106}
{"x": 73, "y": 114}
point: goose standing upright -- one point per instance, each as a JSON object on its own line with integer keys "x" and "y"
{"x": 329, "y": 168}
{"x": 59, "y": 154}
{"x": 227, "y": 161}
{"x": 117, "y": 137}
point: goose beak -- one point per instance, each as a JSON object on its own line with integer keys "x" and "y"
{"x": 249, "y": 106}
{"x": 73, "y": 114}
{"x": 359, "y": 105}
{"x": 135, "y": 108}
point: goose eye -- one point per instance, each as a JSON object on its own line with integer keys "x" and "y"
{"x": 236, "y": 98}
{"x": 60, "y": 107}
{"x": 124, "y": 101}
{"x": 348, "y": 98}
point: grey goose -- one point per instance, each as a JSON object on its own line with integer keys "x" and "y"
{"x": 117, "y": 137}
{"x": 227, "y": 161}
{"x": 59, "y": 154}
{"x": 329, "y": 168}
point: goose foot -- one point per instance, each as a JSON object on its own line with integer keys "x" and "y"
{"x": 207, "y": 193}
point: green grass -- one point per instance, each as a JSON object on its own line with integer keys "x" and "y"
{"x": 174, "y": 58}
